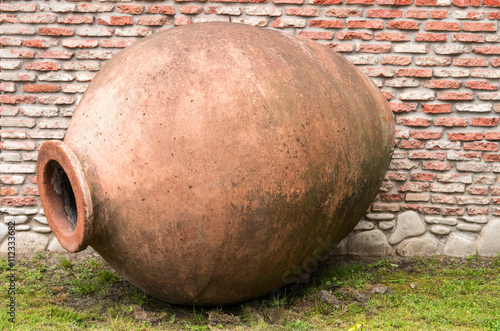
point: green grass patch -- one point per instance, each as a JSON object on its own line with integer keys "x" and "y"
{"x": 435, "y": 293}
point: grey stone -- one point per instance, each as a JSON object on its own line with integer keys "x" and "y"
{"x": 489, "y": 243}
{"x": 341, "y": 248}
{"x": 18, "y": 211}
{"x": 26, "y": 243}
{"x": 441, "y": 220}
{"x": 423, "y": 246}
{"x": 23, "y": 227}
{"x": 55, "y": 246}
{"x": 41, "y": 219}
{"x": 42, "y": 229}
{"x": 369, "y": 243}
{"x": 378, "y": 289}
{"x": 408, "y": 224}
{"x": 328, "y": 298}
{"x": 42, "y": 212}
{"x": 15, "y": 219}
{"x": 4, "y": 230}
{"x": 469, "y": 227}
{"x": 440, "y": 230}
{"x": 364, "y": 225}
{"x": 380, "y": 217}
{"x": 476, "y": 219}
{"x": 386, "y": 225}
{"x": 457, "y": 245}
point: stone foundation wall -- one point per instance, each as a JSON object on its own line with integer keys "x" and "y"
{"x": 436, "y": 61}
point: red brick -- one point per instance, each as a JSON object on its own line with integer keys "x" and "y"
{"x": 41, "y": 88}
{"x": 130, "y": 9}
{"x": 15, "y": 99}
{"x": 465, "y": 136}
{"x": 165, "y": 10}
{"x": 436, "y": 109}
{"x": 374, "y": 48}
{"x": 190, "y": 10}
{"x": 430, "y": 37}
{"x": 477, "y": 26}
{"x": 477, "y": 211}
{"x": 466, "y": 3}
{"x": 384, "y": 13}
{"x": 426, "y": 156}
{"x": 41, "y": 43}
{"x": 350, "y": 35}
{"x": 341, "y": 48}
{"x": 426, "y": 135}
{"x": 453, "y": 211}
{"x": 343, "y": 12}
{"x": 326, "y": 2}
{"x": 471, "y": 62}
{"x": 115, "y": 20}
{"x": 387, "y": 197}
{"x": 385, "y": 207}
{"x": 494, "y": 15}
{"x": 481, "y": 85}
{"x": 486, "y": 50}
{"x": 327, "y": 24}
{"x": 442, "y": 26}
{"x": 307, "y": 12}
{"x": 418, "y": 14}
{"x": 492, "y": 136}
{"x": 362, "y": 24}
{"x": 30, "y": 190}
{"x": 316, "y": 35}
{"x": 484, "y": 121}
{"x": 153, "y": 20}
{"x": 42, "y": 66}
{"x": 394, "y": 2}
{"x": 414, "y": 73}
{"x": 437, "y": 166}
{"x": 422, "y": 177}
{"x": 116, "y": 43}
{"x": 480, "y": 146}
{"x": 411, "y": 121}
{"x": 412, "y": 144}
{"x": 415, "y": 207}
{"x": 8, "y": 41}
{"x": 426, "y": 2}
{"x": 455, "y": 96}
{"x": 438, "y": 14}
{"x": 397, "y": 60}
{"x": 56, "y": 31}
{"x": 450, "y": 121}
{"x": 403, "y": 25}
{"x": 396, "y": 176}
{"x": 5, "y": 18}
{"x": 8, "y": 190}
{"x": 468, "y": 38}
{"x": 403, "y": 107}
{"x": 413, "y": 187}
{"x": 55, "y": 55}
{"x": 18, "y": 201}
{"x": 447, "y": 84}
{"x": 392, "y": 36}
{"x": 17, "y": 7}
{"x": 361, "y": 2}
{"x": 495, "y": 62}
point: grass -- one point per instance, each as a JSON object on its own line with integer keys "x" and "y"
{"x": 435, "y": 293}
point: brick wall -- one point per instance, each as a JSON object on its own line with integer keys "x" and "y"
{"x": 437, "y": 62}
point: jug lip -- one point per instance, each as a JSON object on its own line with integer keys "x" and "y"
{"x": 56, "y": 165}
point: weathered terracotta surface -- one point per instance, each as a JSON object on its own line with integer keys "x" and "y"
{"x": 220, "y": 159}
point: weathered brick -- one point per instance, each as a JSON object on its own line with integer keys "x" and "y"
{"x": 327, "y": 24}
{"x": 301, "y": 11}
{"x": 316, "y": 35}
{"x": 465, "y": 136}
{"x": 432, "y": 61}
{"x": 15, "y": 99}
{"x": 363, "y": 24}
{"x": 350, "y": 35}
{"x": 442, "y": 84}
{"x": 37, "y": 19}
{"x": 436, "y": 109}
{"x": 384, "y": 13}
{"x": 422, "y": 177}
{"x": 392, "y": 36}
{"x": 484, "y": 121}
{"x": 447, "y": 188}
{"x": 289, "y": 23}
{"x": 472, "y": 167}
{"x": 442, "y": 26}
{"x": 471, "y": 62}
{"x": 442, "y": 145}
{"x": 343, "y": 12}
{"x": 165, "y": 10}
{"x": 436, "y": 166}
{"x": 17, "y": 7}
{"x": 455, "y": 73}
{"x": 468, "y": 38}
{"x": 397, "y": 107}
{"x": 425, "y": 135}
{"x": 389, "y": 197}
{"x": 137, "y": 9}
{"x": 374, "y": 48}
{"x": 454, "y": 178}
{"x": 18, "y": 201}
{"x": 412, "y": 144}
{"x": 402, "y": 82}
{"x": 477, "y": 26}
{"x": 455, "y": 96}
{"x": 51, "y": 31}
{"x": 481, "y": 85}
{"x": 450, "y": 121}
{"x": 43, "y": 66}
{"x": 417, "y": 14}
{"x": 403, "y": 25}
{"x": 487, "y": 50}
{"x": 452, "y": 49}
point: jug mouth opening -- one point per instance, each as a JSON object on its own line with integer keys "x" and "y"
{"x": 65, "y": 196}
